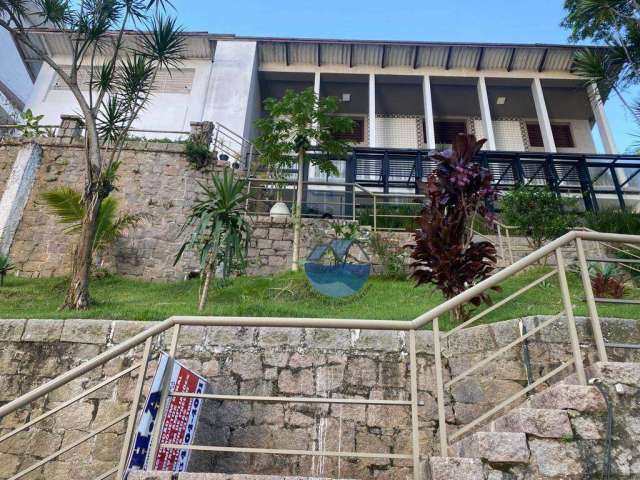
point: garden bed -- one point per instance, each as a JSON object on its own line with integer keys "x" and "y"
{"x": 285, "y": 295}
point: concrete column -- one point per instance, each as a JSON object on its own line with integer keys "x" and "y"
{"x": 601, "y": 120}
{"x": 316, "y": 91}
{"x": 372, "y": 111}
{"x": 543, "y": 116}
{"x": 428, "y": 113}
{"x": 485, "y": 113}
{"x": 233, "y": 82}
{"x": 16, "y": 192}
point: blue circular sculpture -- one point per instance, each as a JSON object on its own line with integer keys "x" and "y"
{"x": 329, "y": 273}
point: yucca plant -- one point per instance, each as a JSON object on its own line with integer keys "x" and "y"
{"x": 121, "y": 82}
{"x": 5, "y": 267}
{"x": 66, "y": 204}
{"x": 221, "y": 229}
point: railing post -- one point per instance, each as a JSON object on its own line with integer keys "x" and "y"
{"x": 135, "y": 402}
{"x": 591, "y": 302}
{"x": 375, "y": 212}
{"x": 442, "y": 423}
{"x": 353, "y": 203}
{"x": 415, "y": 422}
{"x": 571, "y": 321}
{"x": 164, "y": 398}
{"x": 499, "y": 229}
{"x": 506, "y": 231}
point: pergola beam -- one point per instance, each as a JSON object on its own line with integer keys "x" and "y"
{"x": 447, "y": 64}
{"x": 479, "y": 63}
{"x": 543, "y": 60}
{"x": 511, "y": 59}
{"x": 415, "y": 57}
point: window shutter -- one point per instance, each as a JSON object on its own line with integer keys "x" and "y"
{"x": 357, "y": 135}
{"x": 562, "y": 136}
{"x": 445, "y": 132}
{"x": 535, "y": 135}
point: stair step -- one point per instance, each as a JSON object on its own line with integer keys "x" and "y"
{"x": 156, "y": 475}
{"x": 448, "y": 468}
{"x": 494, "y": 447}
{"x": 541, "y": 422}
{"x": 564, "y": 396}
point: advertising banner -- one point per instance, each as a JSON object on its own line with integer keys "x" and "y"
{"x": 180, "y": 420}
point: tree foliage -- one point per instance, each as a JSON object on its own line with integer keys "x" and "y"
{"x": 539, "y": 213}
{"x": 123, "y": 44}
{"x": 457, "y": 191}
{"x": 66, "y": 204}
{"x": 614, "y": 24}
{"x": 300, "y": 120}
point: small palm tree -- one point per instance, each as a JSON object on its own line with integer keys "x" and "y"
{"x": 5, "y": 267}
{"x": 66, "y": 204}
{"x": 221, "y": 229}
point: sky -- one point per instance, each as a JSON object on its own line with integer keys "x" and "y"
{"x": 508, "y": 21}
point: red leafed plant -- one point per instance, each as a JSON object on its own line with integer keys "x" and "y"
{"x": 607, "y": 281}
{"x": 457, "y": 191}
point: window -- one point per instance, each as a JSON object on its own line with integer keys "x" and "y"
{"x": 445, "y": 132}
{"x": 561, "y": 135}
{"x": 167, "y": 81}
{"x": 357, "y": 135}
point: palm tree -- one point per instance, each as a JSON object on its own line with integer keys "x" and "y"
{"x": 5, "y": 267}
{"x": 221, "y": 228}
{"x": 66, "y": 204}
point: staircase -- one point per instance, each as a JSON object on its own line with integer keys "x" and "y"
{"x": 559, "y": 433}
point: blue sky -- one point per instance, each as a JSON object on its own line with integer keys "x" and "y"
{"x": 517, "y": 21}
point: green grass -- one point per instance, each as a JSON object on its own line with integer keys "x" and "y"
{"x": 286, "y": 295}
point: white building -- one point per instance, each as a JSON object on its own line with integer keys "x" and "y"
{"x": 16, "y": 79}
{"x": 402, "y": 95}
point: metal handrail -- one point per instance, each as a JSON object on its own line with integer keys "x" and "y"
{"x": 430, "y": 317}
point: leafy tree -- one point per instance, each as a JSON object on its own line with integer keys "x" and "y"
{"x": 66, "y": 204}
{"x": 5, "y": 267}
{"x": 538, "y": 212}
{"x": 121, "y": 82}
{"x": 221, "y": 229}
{"x": 458, "y": 191}
{"x": 294, "y": 125}
{"x": 616, "y": 24}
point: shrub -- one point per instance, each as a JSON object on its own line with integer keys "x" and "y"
{"x": 391, "y": 256}
{"x": 445, "y": 255}
{"x": 539, "y": 213}
{"x": 197, "y": 153}
{"x": 613, "y": 221}
{"x": 606, "y": 280}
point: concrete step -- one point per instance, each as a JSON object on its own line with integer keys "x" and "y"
{"x": 540, "y": 422}
{"x": 565, "y": 396}
{"x": 153, "y": 475}
{"x": 494, "y": 447}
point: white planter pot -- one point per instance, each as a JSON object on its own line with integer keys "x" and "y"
{"x": 280, "y": 209}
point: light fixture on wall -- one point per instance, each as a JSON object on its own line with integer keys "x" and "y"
{"x": 346, "y": 97}
{"x": 501, "y": 100}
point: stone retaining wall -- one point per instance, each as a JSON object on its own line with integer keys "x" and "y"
{"x": 286, "y": 362}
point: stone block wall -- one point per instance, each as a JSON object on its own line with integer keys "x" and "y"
{"x": 271, "y": 361}
{"x": 8, "y": 154}
{"x": 155, "y": 179}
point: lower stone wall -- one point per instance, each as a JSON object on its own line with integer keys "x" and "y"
{"x": 272, "y": 361}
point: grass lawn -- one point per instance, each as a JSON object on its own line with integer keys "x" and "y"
{"x": 284, "y": 295}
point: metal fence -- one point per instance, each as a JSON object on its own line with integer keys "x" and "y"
{"x": 430, "y": 318}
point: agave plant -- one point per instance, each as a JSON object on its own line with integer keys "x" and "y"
{"x": 5, "y": 267}
{"x": 458, "y": 191}
{"x": 66, "y": 204}
{"x": 221, "y": 230}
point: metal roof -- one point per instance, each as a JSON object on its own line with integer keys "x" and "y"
{"x": 353, "y": 53}
{"x": 477, "y": 56}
